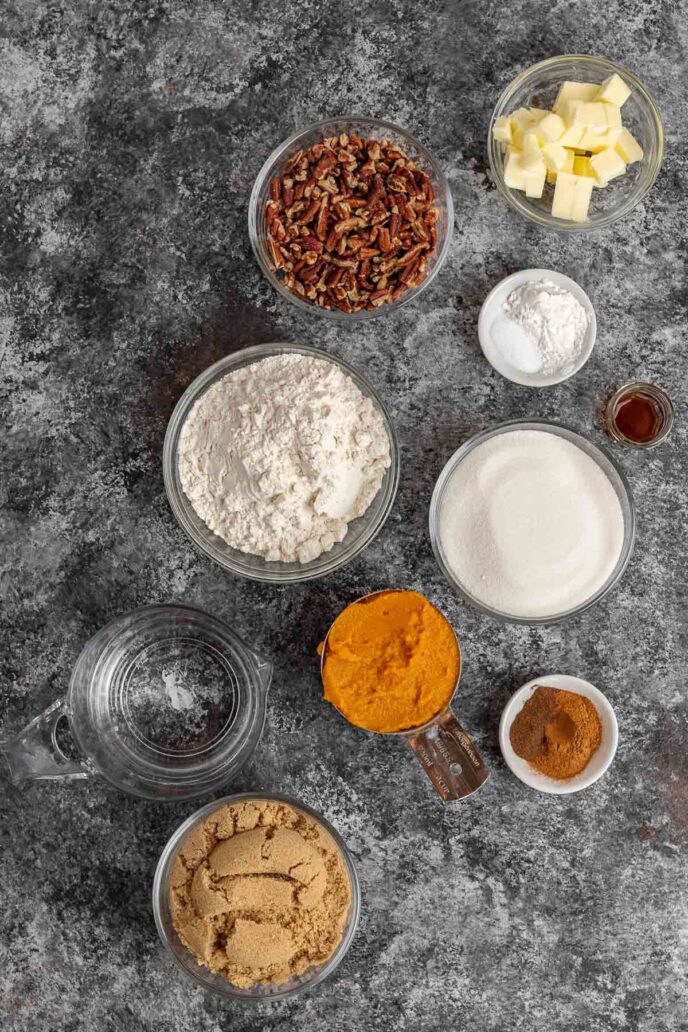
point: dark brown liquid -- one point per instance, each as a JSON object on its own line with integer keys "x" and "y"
{"x": 638, "y": 417}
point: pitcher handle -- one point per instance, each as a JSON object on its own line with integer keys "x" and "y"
{"x": 34, "y": 754}
{"x": 449, "y": 758}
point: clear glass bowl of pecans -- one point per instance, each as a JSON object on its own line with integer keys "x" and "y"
{"x": 351, "y": 217}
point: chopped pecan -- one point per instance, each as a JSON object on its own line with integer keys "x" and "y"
{"x": 326, "y": 163}
{"x": 351, "y": 223}
{"x": 310, "y": 214}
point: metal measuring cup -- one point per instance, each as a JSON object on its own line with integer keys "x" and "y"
{"x": 441, "y": 745}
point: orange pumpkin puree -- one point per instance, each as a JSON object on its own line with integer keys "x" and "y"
{"x": 391, "y": 662}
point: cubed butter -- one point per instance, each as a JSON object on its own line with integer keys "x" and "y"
{"x": 595, "y": 116}
{"x": 551, "y": 127}
{"x": 514, "y": 174}
{"x": 575, "y": 91}
{"x": 522, "y": 116}
{"x": 614, "y": 91}
{"x": 555, "y": 156}
{"x": 628, "y": 147}
{"x": 535, "y": 181}
{"x": 568, "y": 167}
{"x": 572, "y": 136}
{"x": 579, "y": 145}
{"x": 501, "y": 130}
{"x": 572, "y": 195}
{"x": 581, "y": 166}
{"x": 596, "y": 142}
{"x": 532, "y": 159}
{"x": 522, "y": 121}
{"x": 606, "y": 165}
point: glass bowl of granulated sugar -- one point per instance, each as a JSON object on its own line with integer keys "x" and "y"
{"x": 281, "y": 463}
{"x": 531, "y": 523}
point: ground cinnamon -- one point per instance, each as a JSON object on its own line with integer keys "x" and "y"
{"x": 556, "y": 732}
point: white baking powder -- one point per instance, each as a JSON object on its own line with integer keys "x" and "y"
{"x": 279, "y": 456}
{"x": 530, "y": 524}
{"x": 542, "y": 329}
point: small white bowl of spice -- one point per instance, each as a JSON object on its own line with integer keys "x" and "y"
{"x": 558, "y": 734}
{"x": 537, "y": 327}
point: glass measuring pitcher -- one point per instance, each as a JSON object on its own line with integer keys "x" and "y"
{"x": 166, "y": 702}
{"x": 441, "y": 745}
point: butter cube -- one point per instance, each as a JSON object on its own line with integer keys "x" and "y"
{"x": 522, "y": 122}
{"x": 568, "y": 166}
{"x": 596, "y": 142}
{"x": 581, "y": 166}
{"x": 614, "y": 91}
{"x": 555, "y": 156}
{"x": 551, "y": 127}
{"x": 572, "y": 195}
{"x": 514, "y": 173}
{"x": 613, "y": 114}
{"x": 628, "y": 147}
{"x": 572, "y": 136}
{"x": 532, "y": 158}
{"x": 607, "y": 165}
{"x": 501, "y": 130}
{"x": 537, "y": 114}
{"x": 522, "y": 116}
{"x": 575, "y": 91}
{"x": 596, "y": 116}
{"x": 535, "y": 181}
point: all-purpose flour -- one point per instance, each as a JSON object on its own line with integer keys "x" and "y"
{"x": 279, "y": 456}
{"x": 542, "y": 329}
{"x": 530, "y": 524}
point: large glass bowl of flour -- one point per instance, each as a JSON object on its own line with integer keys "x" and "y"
{"x": 531, "y": 523}
{"x": 361, "y": 530}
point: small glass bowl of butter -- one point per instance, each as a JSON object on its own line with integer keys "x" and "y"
{"x": 538, "y": 90}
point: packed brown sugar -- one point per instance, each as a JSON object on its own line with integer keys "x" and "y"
{"x": 259, "y": 892}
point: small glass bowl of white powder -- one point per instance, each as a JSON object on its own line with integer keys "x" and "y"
{"x": 287, "y": 452}
{"x": 531, "y": 523}
{"x": 537, "y": 327}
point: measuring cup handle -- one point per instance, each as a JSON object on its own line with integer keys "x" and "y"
{"x": 449, "y": 758}
{"x": 34, "y": 754}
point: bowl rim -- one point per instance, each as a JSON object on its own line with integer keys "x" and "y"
{"x": 180, "y": 504}
{"x": 268, "y": 168}
{"x": 225, "y": 988}
{"x": 593, "y": 450}
{"x": 518, "y": 278}
{"x": 522, "y": 770}
{"x": 547, "y": 221}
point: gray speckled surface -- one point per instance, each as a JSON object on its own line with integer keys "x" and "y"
{"x": 129, "y": 140}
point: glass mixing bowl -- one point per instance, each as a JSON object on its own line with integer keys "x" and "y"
{"x": 366, "y": 128}
{"x": 361, "y": 530}
{"x": 537, "y": 87}
{"x": 609, "y": 468}
{"x": 202, "y": 976}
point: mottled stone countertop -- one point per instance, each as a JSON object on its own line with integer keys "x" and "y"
{"x": 130, "y": 137}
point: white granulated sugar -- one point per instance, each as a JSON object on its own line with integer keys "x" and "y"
{"x": 279, "y": 456}
{"x": 530, "y": 524}
{"x": 549, "y": 327}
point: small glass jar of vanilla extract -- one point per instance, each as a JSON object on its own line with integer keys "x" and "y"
{"x": 639, "y": 415}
